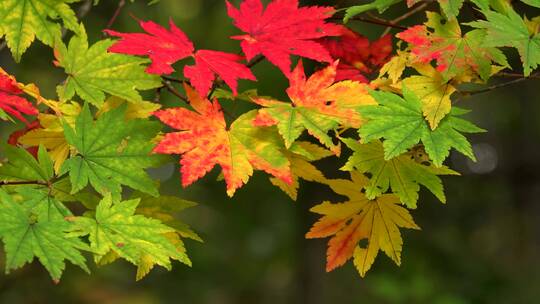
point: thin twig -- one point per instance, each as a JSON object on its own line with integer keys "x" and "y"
{"x": 170, "y": 88}
{"x": 255, "y": 61}
{"x": 172, "y": 79}
{"x": 515, "y": 75}
{"x": 408, "y": 14}
{"x": 6, "y": 183}
{"x": 497, "y": 86}
{"x": 119, "y": 8}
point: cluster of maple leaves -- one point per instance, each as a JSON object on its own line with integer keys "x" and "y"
{"x": 391, "y": 109}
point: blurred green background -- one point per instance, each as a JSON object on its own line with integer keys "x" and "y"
{"x": 483, "y": 246}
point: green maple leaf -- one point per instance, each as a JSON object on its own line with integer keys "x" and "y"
{"x": 451, "y": 7}
{"x": 93, "y": 71}
{"x": 22, "y": 166}
{"x": 403, "y": 174}
{"x": 116, "y": 228}
{"x": 379, "y": 5}
{"x": 27, "y": 235}
{"x": 163, "y": 208}
{"x": 111, "y": 152}
{"x": 510, "y": 30}
{"x": 402, "y": 125}
{"x": 21, "y": 21}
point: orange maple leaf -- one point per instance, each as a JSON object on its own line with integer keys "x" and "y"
{"x": 319, "y": 104}
{"x": 205, "y": 140}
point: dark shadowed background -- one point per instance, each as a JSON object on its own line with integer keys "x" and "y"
{"x": 483, "y": 246}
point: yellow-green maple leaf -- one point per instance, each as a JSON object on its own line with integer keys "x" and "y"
{"x": 21, "y": 21}
{"x": 377, "y": 221}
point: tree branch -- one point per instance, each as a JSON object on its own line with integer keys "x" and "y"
{"x": 498, "y": 85}
{"x": 167, "y": 84}
{"x": 119, "y": 8}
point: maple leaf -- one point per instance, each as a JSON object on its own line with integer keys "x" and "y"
{"x": 359, "y": 219}
{"x": 300, "y": 155}
{"x": 92, "y": 72}
{"x": 165, "y": 47}
{"x": 10, "y": 100}
{"x": 50, "y": 133}
{"x": 510, "y": 30}
{"x": 434, "y": 92}
{"x": 318, "y": 105}
{"x": 358, "y": 56}
{"x": 116, "y": 228}
{"x": 403, "y": 174}
{"x": 27, "y": 234}
{"x": 401, "y": 123}
{"x": 111, "y": 152}
{"x": 205, "y": 140}
{"x": 455, "y": 54}
{"x": 450, "y": 8}
{"x": 22, "y": 166}
{"x": 21, "y": 21}
{"x": 283, "y": 29}
{"x": 379, "y": 5}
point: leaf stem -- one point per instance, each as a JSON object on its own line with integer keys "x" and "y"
{"x": 6, "y": 183}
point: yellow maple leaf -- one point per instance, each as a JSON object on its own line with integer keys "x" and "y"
{"x": 434, "y": 92}
{"x": 300, "y": 155}
{"x": 377, "y": 221}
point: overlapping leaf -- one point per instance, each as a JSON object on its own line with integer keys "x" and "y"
{"x": 283, "y": 29}
{"x": 11, "y": 102}
{"x": 403, "y": 174}
{"x": 111, "y": 152}
{"x": 318, "y": 105}
{"x": 455, "y": 54}
{"x": 379, "y": 5}
{"x": 377, "y": 221}
{"x": 358, "y": 56}
{"x": 165, "y": 47}
{"x": 510, "y": 30}
{"x": 21, "y": 21}
{"x": 27, "y": 234}
{"x": 434, "y": 92}
{"x": 23, "y": 167}
{"x": 92, "y": 72}
{"x": 204, "y": 140}
{"x": 300, "y": 155}
{"x": 401, "y": 123}
{"x": 116, "y": 228}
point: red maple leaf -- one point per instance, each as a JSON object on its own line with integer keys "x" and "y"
{"x": 10, "y": 100}
{"x": 165, "y": 47}
{"x": 358, "y": 56}
{"x": 283, "y": 29}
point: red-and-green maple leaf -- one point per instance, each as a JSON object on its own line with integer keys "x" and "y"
{"x": 455, "y": 54}
{"x": 358, "y": 56}
{"x": 11, "y": 102}
{"x": 204, "y": 140}
{"x": 283, "y": 29}
{"x": 319, "y": 104}
{"x": 165, "y": 47}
